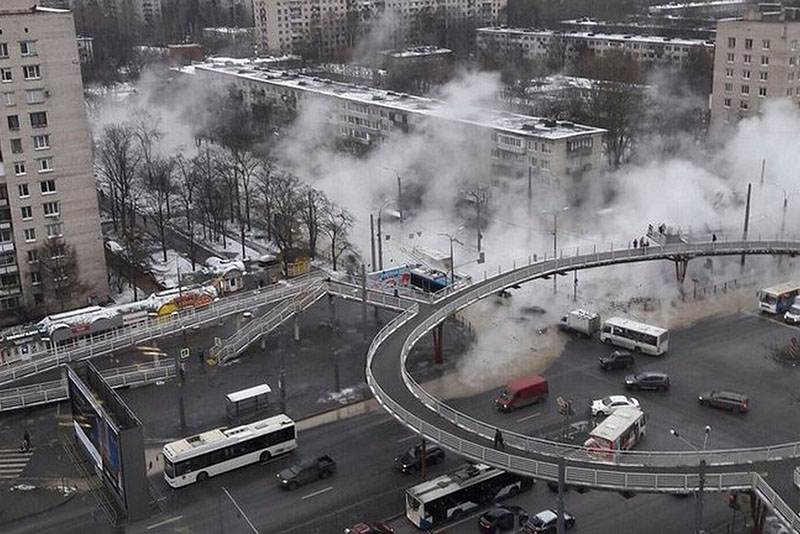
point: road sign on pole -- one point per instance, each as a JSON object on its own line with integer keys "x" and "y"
{"x": 185, "y": 352}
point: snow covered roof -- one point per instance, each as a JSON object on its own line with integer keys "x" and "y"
{"x": 616, "y": 37}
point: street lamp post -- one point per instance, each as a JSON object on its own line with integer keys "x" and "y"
{"x": 452, "y": 263}
{"x": 698, "y": 519}
{"x": 554, "y": 213}
{"x": 399, "y": 192}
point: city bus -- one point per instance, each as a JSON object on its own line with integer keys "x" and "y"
{"x": 619, "y": 432}
{"x": 453, "y": 495}
{"x": 636, "y": 336}
{"x": 220, "y": 450}
{"x": 778, "y": 299}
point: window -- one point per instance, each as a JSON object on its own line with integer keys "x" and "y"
{"x": 727, "y": 102}
{"x": 764, "y": 61}
{"x": 27, "y": 48}
{"x": 5, "y": 75}
{"x": 27, "y": 212}
{"x": 40, "y": 142}
{"x": 30, "y": 235}
{"x": 35, "y": 96}
{"x": 762, "y": 91}
{"x": 31, "y": 72}
{"x": 33, "y": 256}
{"x": 745, "y": 89}
{"x": 789, "y": 92}
{"x": 728, "y": 87}
{"x": 13, "y": 122}
{"x": 731, "y": 42}
{"x": 794, "y": 44}
{"x": 23, "y": 190}
{"x": 50, "y": 209}
{"x": 765, "y": 44}
{"x": 45, "y": 165}
{"x": 748, "y": 44}
{"x": 36, "y": 278}
{"x": 19, "y": 168}
{"x": 3, "y": 50}
{"x": 16, "y": 146}
{"x": 9, "y": 100}
{"x": 748, "y": 59}
{"x": 48, "y": 186}
{"x": 743, "y": 104}
{"x": 746, "y": 74}
{"x": 729, "y": 72}
{"x": 38, "y": 119}
{"x": 791, "y": 61}
{"x": 54, "y": 230}
{"x": 731, "y": 57}
{"x": 762, "y": 76}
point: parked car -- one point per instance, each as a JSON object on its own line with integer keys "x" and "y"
{"x": 500, "y": 518}
{"x": 522, "y": 392}
{"x": 305, "y": 471}
{"x": 735, "y": 402}
{"x": 648, "y": 380}
{"x": 369, "y": 528}
{"x": 409, "y": 461}
{"x": 619, "y": 359}
{"x": 545, "y": 522}
{"x": 607, "y": 405}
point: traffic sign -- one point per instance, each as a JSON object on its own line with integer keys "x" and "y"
{"x": 185, "y": 352}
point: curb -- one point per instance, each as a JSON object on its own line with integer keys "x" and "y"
{"x": 66, "y": 500}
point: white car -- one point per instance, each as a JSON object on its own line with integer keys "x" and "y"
{"x": 607, "y": 405}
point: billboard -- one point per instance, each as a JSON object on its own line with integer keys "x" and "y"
{"x": 389, "y": 279}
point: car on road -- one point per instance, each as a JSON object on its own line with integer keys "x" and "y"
{"x": 619, "y": 359}
{"x": 545, "y": 522}
{"x": 608, "y": 405}
{"x": 409, "y": 461}
{"x": 369, "y": 528}
{"x": 305, "y": 471}
{"x": 727, "y": 400}
{"x": 648, "y": 380}
{"x": 501, "y": 518}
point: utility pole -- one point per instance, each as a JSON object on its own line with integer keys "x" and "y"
{"x": 399, "y": 196}
{"x": 555, "y": 249}
{"x": 380, "y": 244}
{"x": 763, "y": 168}
{"x": 746, "y": 221}
{"x": 179, "y": 381}
{"x": 562, "y": 467}
{"x": 372, "y": 239}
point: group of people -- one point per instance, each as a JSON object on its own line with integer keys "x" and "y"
{"x": 641, "y": 242}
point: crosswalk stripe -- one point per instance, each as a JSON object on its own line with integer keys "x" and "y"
{"x": 17, "y": 451}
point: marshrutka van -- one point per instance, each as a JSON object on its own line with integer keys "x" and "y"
{"x": 522, "y": 392}
{"x": 620, "y": 431}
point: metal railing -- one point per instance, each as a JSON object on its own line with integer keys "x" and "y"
{"x": 775, "y": 502}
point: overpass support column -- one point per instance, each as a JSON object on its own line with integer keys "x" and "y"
{"x": 562, "y": 466}
{"x": 680, "y": 268}
{"x": 438, "y": 343}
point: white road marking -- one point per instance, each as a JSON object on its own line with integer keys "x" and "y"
{"x": 165, "y": 522}
{"x": 320, "y": 492}
{"x": 531, "y": 416}
{"x": 408, "y": 438}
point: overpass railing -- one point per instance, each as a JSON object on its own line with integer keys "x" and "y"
{"x": 774, "y": 501}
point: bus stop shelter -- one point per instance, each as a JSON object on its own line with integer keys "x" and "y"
{"x": 246, "y": 402}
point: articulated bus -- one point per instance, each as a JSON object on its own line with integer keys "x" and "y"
{"x": 639, "y": 337}
{"x": 778, "y": 299}
{"x": 451, "y": 496}
{"x": 220, "y": 450}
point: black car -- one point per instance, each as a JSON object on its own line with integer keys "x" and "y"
{"x": 545, "y": 522}
{"x": 619, "y": 359}
{"x": 648, "y": 380}
{"x": 500, "y": 518}
{"x": 727, "y": 400}
{"x": 410, "y": 460}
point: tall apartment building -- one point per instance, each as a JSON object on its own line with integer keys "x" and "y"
{"x": 757, "y": 58}
{"x": 47, "y": 189}
{"x": 292, "y": 26}
{"x": 556, "y": 152}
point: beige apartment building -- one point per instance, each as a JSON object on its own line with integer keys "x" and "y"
{"x": 757, "y": 58}
{"x": 47, "y": 189}
{"x": 556, "y": 153}
{"x": 325, "y": 26}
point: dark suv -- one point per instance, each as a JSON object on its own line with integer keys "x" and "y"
{"x": 410, "y": 460}
{"x": 619, "y": 359}
{"x": 727, "y": 400}
{"x": 648, "y": 380}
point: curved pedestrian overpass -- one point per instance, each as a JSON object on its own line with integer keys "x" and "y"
{"x": 643, "y": 471}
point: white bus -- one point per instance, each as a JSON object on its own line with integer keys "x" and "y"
{"x": 217, "y": 451}
{"x": 778, "y": 299}
{"x": 620, "y": 431}
{"x": 639, "y": 337}
{"x": 451, "y": 496}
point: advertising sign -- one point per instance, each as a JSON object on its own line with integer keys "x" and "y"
{"x": 389, "y": 279}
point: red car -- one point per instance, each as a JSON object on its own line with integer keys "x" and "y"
{"x": 369, "y": 528}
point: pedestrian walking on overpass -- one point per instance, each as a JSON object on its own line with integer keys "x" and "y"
{"x": 498, "y": 440}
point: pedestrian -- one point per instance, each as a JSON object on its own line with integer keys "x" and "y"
{"x": 498, "y": 440}
{"x": 635, "y": 243}
{"x": 662, "y": 229}
{"x": 26, "y": 440}
{"x": 395, "y": 292}
{"x": 713, "y": 238}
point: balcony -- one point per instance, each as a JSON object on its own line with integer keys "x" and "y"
{"x": 10, "y": 291}
{"x": 8, "y": 246}
{"x": 10, "y": 268}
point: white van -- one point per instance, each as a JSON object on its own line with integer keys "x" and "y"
{"x": 793, "y": 315}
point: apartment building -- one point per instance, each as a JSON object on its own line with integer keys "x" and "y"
{"x": 47, "y": 190}
{"x": 325, "y": 26}
{"x": 554, "y": 151}
{"x": 757, "y": 59}
{"x": 534, "y": 44}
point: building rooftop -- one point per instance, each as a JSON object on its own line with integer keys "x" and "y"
{"x": 645, "y": 39}
{"x": 417, "y": 51}
{"x": 511, "y": 122}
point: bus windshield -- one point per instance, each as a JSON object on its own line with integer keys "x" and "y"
{"x": 169, "y": 468}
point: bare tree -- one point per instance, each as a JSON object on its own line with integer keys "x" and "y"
{"x": 313, "y": 202}
{"x": 265, "y": 179}
{"x": 213, "y": 195}
{"x": 118, "y": 160}
{"x": 287, "y": 209}
{"x": 59, "y": 274}
{"x": 187, "y": 178}
{"x": 157, "y": 196}
{"x": 137, "y": 256}
{"x": 337, "y": 223}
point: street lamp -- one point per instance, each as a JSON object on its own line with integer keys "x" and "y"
{"x": 786, "y": 196}
{"x": 399, "y": 192}
{"x": 698, "y": 520}
{"x": 452, "y": 263}
{"x": 555, "y": 213}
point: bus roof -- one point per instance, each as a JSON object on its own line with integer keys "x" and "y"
{"x": 443, "y": 485}
{"x": 212, "y": 439}
{"x": 779, "y": 289}
{"x": 617, "y": 423}
{"x": 637, "y": 326}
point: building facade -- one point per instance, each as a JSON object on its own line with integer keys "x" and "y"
{"x": 757, "y": 59}
{"x": 534, "y": 44}
{"x": 554, "y": 151}
{"x": 47, "y": 189}
{"x": 325, "y": 26}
